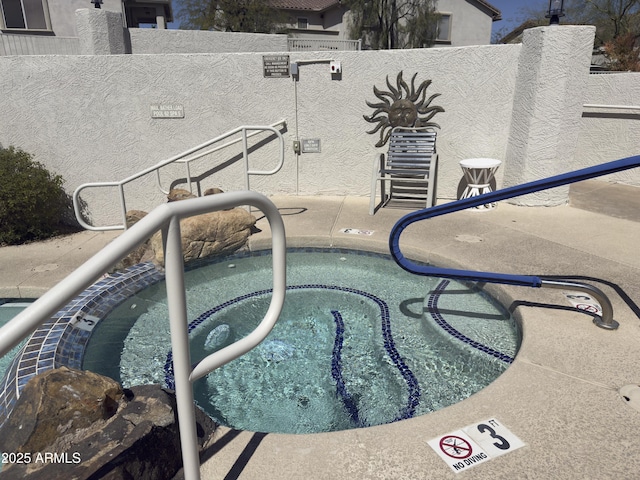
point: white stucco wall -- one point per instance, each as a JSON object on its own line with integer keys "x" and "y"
{"x": 610, "y": 134}
{"x": 155, "y": 41}
{"x": 63, "y": 20}
{"x": 551, "y": 83}
{"x": 88, "y": 117}
{"x": 100, "y": 33}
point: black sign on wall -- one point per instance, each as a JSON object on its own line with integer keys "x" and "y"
{"x": 275, "y": 66}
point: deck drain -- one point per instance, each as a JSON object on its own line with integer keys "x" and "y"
{"x": 631, "y": 395}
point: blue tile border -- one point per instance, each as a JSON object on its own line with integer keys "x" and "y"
{"x": 442, "y": 323}
{"x": 60, "y": 341}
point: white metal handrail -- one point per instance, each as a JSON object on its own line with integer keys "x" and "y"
{"x": 184, "y": 158}
{"x": 167, "y": 218}
{"x": 612, "y": 107}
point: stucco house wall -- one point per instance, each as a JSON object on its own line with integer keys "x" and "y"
{"x": 471, "y": 23}
{"x": 62, "y": 17}
{"x": 329, "y": 23}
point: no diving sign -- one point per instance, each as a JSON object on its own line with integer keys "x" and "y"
{"x": 475, "y": 444}
{"x": 455, "y": 447}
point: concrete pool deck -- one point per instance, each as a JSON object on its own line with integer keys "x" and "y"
{"x": 560, "y": 396}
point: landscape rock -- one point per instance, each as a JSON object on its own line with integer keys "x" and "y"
{"x": 135, "y": 437}
{"x": 176, "y": 194}
{"x": 134, "y": 216}
{"x": 55, "y": 402}
{"x": 143, "y": 252}
{"x": 215, "y": 233}
{"x": 212, "y": 191}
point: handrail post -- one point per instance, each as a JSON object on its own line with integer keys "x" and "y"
{"x": 188, "y": 167}
{"x": 605, "y": 321}
{"x": 176, "y": 298}
{"x": 123, "y": 206}
{"x": 77, "y": 210}
{"x": 245, "y": 153}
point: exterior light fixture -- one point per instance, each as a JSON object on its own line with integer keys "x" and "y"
{"x": 556, "y": 10}
{"x": 96, "y": 3}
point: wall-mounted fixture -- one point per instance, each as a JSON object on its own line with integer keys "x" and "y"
{"x": 335, "y": 67}
{"x": 96, "y": 3}
{"x": 555, "y": 11}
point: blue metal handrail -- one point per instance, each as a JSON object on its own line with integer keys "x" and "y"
{"x": 505, "y": 193}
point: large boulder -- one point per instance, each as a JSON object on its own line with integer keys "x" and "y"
{"x": 143, "y": 252}
{"x": 56, "y": 402}
{"x": 177, "y": 194}
{"x": 215, "y": 233}
{"x": 76, "y": 424}
{"x": 210, "y": 234}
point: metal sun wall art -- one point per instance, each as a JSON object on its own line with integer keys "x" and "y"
{"x": 402, "y": 106}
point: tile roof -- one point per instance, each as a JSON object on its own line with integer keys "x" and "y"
{"x": 312, "y": 5}
{"x": 497, "y": 14}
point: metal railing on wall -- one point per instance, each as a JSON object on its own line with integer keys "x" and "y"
{"x": 166, "y": 218}
{"x": 38, "y": 45}
{"x": 186, "y": 158}
{"x": 319, "y": 45}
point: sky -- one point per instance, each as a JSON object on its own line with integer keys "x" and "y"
{"x": 512, "y": 14}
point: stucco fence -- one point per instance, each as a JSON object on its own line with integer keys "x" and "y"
{"x": 88, "y": 117}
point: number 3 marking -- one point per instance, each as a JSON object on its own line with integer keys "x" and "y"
{"x": 502, "y": 444}
{"x": 582, "y": 297}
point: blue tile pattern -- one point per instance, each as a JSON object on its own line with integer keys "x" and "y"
{"x": 336, "y": 371}
{"x": 413, "y": 388}
{"x": 437, "y": 316}
{"x": 61, "y": 340}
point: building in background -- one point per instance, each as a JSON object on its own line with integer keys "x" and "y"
{"x": 462, "y": 22}
{"x": 57, "y": 17}
{"x": 40, "y": 27}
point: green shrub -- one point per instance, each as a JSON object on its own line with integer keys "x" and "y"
{"x": 32, "y": 200}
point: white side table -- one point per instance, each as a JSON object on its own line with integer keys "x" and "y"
{"x": 478, "y": 173}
